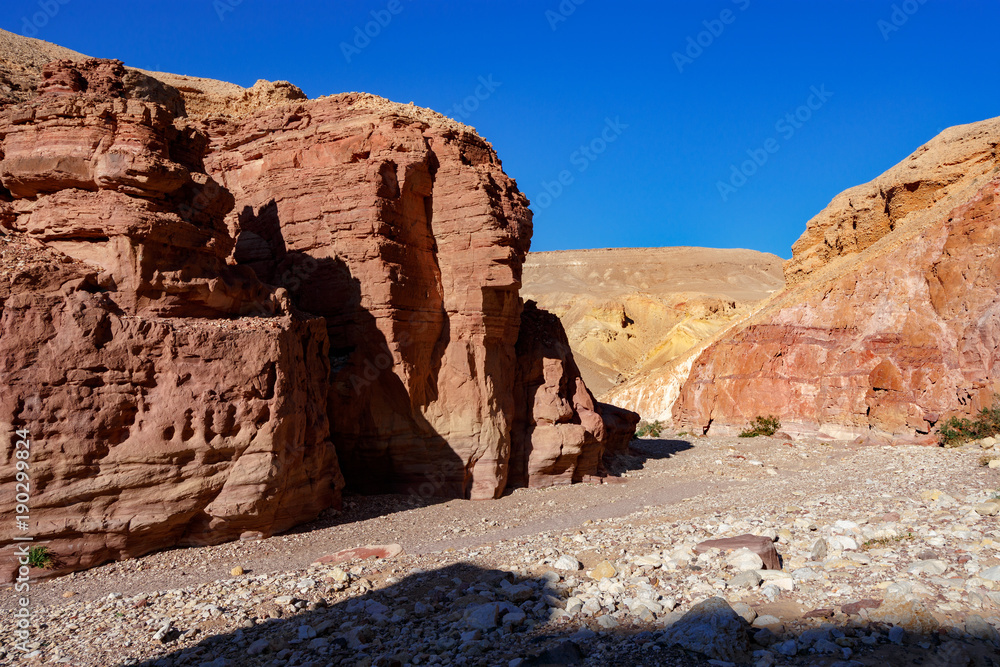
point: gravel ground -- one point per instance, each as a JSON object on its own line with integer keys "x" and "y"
{"x": 890, "y": 556}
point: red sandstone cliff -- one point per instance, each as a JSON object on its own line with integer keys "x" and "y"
{"x": 892, "y": 322}
{"x": 197, "y": 316}
{"x": 158, "y": 416}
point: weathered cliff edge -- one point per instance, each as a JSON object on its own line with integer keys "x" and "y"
{"x": 199, "y": 314}
{"x": 891, "y": 320}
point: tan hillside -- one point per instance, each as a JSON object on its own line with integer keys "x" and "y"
{"x": 630, "y": 311}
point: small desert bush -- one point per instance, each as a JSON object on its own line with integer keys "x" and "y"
{"x": 957, "y": 430}
{"x": 41, "y": 557}
{"x": 652, "y": 429}
{"x": 762, "y": 425}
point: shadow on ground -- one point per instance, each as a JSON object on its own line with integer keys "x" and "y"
{"x": 466, "y": 615}
{"x": 642, "y": 450}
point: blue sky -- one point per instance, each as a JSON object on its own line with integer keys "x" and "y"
{"x": 648, "y": 144}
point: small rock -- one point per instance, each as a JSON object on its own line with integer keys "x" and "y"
{"x": 988, "y": 509}
{"x": 567, "y": 562}
{"x": 931, "y": 567}
{"x": 258, "y": 647}
{"x": 748, "y": 579}
{"x": 819, "y": 550}
{"x": 897, "y": 634}
{"x": 991, "y": 574}
{"x": 236, "y": 571}
{"x": 980, "y": 628}
{"x": 746, "y": 611}
{"x": 713, "y": 628}
{"x": 604, "y": 570}
{"x": 788, "y": 648}
{"x": 744, "y": 559}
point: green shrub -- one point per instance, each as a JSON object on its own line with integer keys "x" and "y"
{"x": 41, "y": 557}
{"x": 762, "y": 425}
{"x": 957, "y": 430}
{"x": 652, "y": 429}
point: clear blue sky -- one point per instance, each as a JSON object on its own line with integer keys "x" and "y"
{"x": 556, "y": 83}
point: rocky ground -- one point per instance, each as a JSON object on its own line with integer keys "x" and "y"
{"x": 891, "y": 556}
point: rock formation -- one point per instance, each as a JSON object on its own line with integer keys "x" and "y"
{"x": 158, "y": 416}
{"x": 400, "y": 228}
{"x": 560, "y": 432}
{"x": 891, "y": 324}
{"x": 198, "y": 315}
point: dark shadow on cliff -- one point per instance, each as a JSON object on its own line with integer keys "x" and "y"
{"x": 374, "y": 420}
{"x": 466, "y": 614}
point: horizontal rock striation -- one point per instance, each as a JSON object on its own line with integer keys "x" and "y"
{"x": 886, "y": 341}
{"x": 400, "y": 228}
{"x": 158, "y": 414}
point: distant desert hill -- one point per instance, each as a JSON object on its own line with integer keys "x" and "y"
{"x": 635, "y": 311}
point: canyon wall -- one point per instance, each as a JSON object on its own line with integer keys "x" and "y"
{"x": 210, "y": 320}
{"x": 891, "y": 321}
{"x": 399, "y": 227}
{"x": 159, "y": 413}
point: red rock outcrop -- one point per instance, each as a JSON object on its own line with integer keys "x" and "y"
{"x": 212, "y": 308}
{"x": 401, "y": 229}
{"x": 888, "y": 339}
{"x": 158, "y": 416}
{"x": 560, "y": 432}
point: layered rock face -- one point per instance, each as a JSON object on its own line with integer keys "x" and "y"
{"x": 400, "y": 228}
{"x": 561, "y": 434}
{"x": 893, "y": 334}
{"x": 199, "y": 315}
{"x": 158, "y": 414}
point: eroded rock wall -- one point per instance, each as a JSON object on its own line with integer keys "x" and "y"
{"x": 886, "y": 340}
{"x": 170, "y": 399}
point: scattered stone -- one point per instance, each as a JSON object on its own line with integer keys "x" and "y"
{"x": 567, "y": 562}
{"x": 762, "y": 546}
{"x": 362, "y": 553}
{"x": 744, "y": 559}
{"x": 748, "y": 579}
{"x": 236, "y": 571}
{"x": 712, "y": 628}
{"x": 819, "y": 550}
{"x": 604, "y": 570}
{"x": 931, "y": 567}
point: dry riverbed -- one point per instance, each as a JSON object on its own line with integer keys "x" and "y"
{"x": 890, "y": 556}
